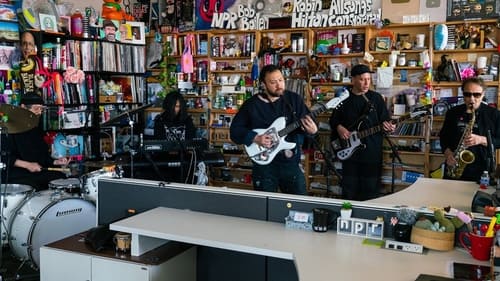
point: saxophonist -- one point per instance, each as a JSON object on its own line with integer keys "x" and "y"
{"x": 462, "y": 131}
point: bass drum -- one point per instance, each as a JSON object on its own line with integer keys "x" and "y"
{"x": 45, "y": 217}
{"x": 12, "y": 196}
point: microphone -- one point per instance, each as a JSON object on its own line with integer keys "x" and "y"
{"x": 491, "y": 151}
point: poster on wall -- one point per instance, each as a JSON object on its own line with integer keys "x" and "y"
{"x": 472, "y": 9}
{"x": 260, "y": 14}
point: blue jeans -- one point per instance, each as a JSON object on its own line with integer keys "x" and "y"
{"x": 287, "y": 176}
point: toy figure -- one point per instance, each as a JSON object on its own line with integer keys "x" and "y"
{"x": 112, "y": 10}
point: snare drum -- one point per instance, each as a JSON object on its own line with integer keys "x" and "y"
{"x": 12, "y": 196}
{"x": 69, "y": 185}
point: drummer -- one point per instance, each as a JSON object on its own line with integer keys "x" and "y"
{"x": 29, "y": 158}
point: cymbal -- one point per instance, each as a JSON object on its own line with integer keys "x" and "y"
{"x": 99, "y": 164}
{"x": 18, "y": 119}
{"x": 126, "y": 113}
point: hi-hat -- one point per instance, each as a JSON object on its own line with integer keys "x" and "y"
{"x": 17, "y": 119}
{"x": 99, "y": 164}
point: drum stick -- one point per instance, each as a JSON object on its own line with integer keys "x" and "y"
{"x": 63, "y": 170}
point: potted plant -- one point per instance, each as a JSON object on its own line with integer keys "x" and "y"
{"x": 166, "y": 77}
{"x": 346, "y": 210}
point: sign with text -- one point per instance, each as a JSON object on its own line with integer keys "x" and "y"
{"x": 361, "y": 227}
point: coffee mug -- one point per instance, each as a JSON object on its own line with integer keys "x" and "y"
{"x": 478, "y": 246}
{"x": 323, "y": 219}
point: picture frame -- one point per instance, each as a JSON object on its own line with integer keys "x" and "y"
{"x": 65, "y": 23}
{"x": 138, "y": 32}
{"x": 383, "y": 44}
{"x": 109, "y": 30}
{"x": 48, "y": 22}
{"x": 6, "y": 54}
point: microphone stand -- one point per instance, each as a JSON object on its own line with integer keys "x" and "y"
{"x": 394, "y": 156}
{"x": 181, "y": 152}
{"x": 491, "y": 159}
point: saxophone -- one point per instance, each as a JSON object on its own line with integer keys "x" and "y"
{"x": 462, "y": 155}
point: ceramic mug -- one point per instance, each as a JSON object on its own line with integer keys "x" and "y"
{"x": 323, "y": 218}
{"x": 478, "y": 246}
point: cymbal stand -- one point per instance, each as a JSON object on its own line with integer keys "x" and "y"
{"x": 2, "y": 218}
{"x": 132, "y": 148}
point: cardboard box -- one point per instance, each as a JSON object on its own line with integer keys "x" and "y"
{"x": 107, "y": 99}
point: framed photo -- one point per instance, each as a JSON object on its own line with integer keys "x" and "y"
{"x": 6, "y": 54}
{"x": 109, "y": 30}
{"x": 65, "y": 23}
{"x": 138, "y": 34}
{"x": 48, "y": 22}
{"x": 383, "y": 44}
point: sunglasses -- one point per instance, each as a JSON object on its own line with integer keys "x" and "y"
{"x": 469, "y": 94}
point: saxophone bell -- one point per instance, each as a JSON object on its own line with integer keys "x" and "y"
{"x": 467, "y": 157}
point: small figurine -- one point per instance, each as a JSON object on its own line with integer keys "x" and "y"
{"x": 112, "y": 10}
{"x": 201, "y": 174}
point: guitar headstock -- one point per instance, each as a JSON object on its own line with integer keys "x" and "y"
{"x": 335, "y": 102}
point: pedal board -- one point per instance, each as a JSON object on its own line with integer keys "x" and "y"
{"x": 404, "y": 247}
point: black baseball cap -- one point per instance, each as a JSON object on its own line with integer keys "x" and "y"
{"x": 359, "y": 69}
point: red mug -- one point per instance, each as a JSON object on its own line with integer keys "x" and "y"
{"x": 478, "y": 246}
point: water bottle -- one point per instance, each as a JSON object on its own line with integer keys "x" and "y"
{"x": 485, "y": 180}
{"x": 77, "y": 24}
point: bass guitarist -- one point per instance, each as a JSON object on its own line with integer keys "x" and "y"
{"x": 273, "y": 102}
{"x": 363, "y": 109}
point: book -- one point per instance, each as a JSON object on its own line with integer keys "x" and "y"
{"x": 358, "y": 43}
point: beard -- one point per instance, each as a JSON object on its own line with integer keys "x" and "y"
{"x": 275, "y": 93}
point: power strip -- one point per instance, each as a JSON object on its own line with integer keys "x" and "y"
{"x": 404, "y": 247}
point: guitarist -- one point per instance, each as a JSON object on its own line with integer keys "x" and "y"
{"x": 362, "y": 110}
{"x": 259, "y": 112}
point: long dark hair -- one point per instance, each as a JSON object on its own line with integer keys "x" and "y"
{"x": 169, "y": 107}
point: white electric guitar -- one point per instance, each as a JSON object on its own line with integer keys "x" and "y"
{"x": 344, "y": 149}
{"x": 264, "y": 155}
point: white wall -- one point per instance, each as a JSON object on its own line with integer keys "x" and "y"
{"x": 81, "y": 4}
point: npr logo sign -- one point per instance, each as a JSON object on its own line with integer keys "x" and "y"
{"x": 361, "y": 227}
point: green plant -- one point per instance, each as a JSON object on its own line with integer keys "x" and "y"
{"x": 346, "y": 205}
{"x": 166, "y": 77}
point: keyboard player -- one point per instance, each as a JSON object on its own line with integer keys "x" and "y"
{"x": 173, "y": 126}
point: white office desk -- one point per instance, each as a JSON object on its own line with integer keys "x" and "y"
{"x": 427, "y": 192}
{"x": 317, "y": 256}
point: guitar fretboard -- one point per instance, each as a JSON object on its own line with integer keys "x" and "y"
{"x": 288, "y": 129}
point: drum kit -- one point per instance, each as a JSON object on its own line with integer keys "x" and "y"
{"x": 32, "y": 219}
